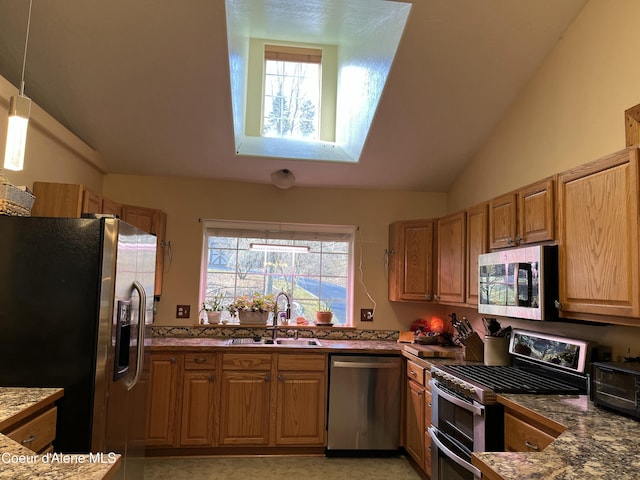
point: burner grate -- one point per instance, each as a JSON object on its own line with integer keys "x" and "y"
{"x": 504, "y": 379}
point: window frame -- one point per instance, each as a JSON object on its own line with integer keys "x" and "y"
{"x": 285, "y": 231}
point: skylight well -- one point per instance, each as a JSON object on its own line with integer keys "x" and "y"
{"x": 351, "y": 45}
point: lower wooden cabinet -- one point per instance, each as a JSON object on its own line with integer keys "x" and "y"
{"x": 199, "y": 400}
{"x": 526, "y": 431}
{"x": 244, "y": 407}
{"x": 164, "y": 385}
{"x": 417, "y": 441}
{"x": 237, "y": 400}
{"x": 38, "y": 432}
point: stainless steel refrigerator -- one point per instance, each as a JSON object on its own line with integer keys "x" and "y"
{"x": 73, "y": 294}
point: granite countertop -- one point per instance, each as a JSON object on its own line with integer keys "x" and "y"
{"x": 597, "y": 444}
{"x": 18, "y": 462}
{"x": 326, "y": 345}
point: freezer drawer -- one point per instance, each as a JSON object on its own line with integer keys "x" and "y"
{"x": 364, "y": 403}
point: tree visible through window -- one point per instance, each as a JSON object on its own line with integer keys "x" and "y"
{"x": 291, "y": 92}
{"x": 321, "y": 276}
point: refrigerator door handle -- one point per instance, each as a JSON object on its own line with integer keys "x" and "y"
{"x": 142, "y": 312}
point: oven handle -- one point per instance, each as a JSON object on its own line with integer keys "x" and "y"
{"x": 466, "y": 465}
{"x": 455, "y": 400}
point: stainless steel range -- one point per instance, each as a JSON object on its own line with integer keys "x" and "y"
{"x": 466, "y": 416}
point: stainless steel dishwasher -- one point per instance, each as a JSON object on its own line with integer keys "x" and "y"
{"x": 364, "y": 404}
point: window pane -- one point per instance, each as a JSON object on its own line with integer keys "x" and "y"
{"x": 310, "y": 279}
{"x": 291, "y": 99}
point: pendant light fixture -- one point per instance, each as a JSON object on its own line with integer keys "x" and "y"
{"x": 19, "y": 111}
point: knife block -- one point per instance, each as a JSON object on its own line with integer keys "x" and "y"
{"x": 473, "y": 348}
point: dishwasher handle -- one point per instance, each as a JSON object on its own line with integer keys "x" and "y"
{"x": 342, "y": 364}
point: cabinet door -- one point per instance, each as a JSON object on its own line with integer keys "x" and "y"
{"x": 91, "y": 202}
{"x": 451, "y": 258}
{"x": 301, "y": 408}
{"x": 598, "y": 237}
{"x": 57, "y": 200}
{"x": 155, "y": 222}
{"x": 477, "y": 243}
{"x": 536, "y": 212}
{"x": 502, "y": 221}
{"x": 198, "y": 407}
{"x": 519, "y": 436}
{"x": 411, "y": 264}
{"x": 163, "y": 399}
{"x": 414, "y": 422}
{"x": 245, "y": 408}
{"x": 111, "y": 208}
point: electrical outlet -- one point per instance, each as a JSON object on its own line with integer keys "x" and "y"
{"x": 366, "y": 315}
{"x": 183, "y": 311}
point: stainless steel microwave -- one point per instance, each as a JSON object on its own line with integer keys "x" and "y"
{"x": 519, "y": 282}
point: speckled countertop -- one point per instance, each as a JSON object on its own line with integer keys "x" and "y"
{"x": 326, "y": 345}
{"x": 596, "y": 444}
{"x": 19, "y": 463}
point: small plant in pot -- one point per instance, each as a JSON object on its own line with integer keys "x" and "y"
{"x": 253, "y": 309}
{"x": 213, "y": 309}
{"x": 324, "y": 314}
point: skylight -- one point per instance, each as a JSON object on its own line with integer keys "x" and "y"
{"x": 366, "y": 33}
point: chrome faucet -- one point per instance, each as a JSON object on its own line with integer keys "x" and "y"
{"x": 276, "y": 312}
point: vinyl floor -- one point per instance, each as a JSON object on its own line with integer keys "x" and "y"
{"x": 279, "y": 468}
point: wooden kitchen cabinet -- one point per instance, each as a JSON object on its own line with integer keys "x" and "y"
{"x": 64, "y": 200}
{"x": 598, "y": 232}
{"x": 528, "y": 431}
{"x": 524, "y": 216}
{"x": 245, "y": 399}
{"x": 164, "y": 385}
{"x": 37, "y": 432}
{"x": 199, "y": 400}
{"x": 477, "y": 243}
{"x": 153, "y": 221}
{"x": 451, "y": 247}
{"x": 301, "y": 399}
{"x": 411, "y": 247}
{"x": 414, "y": 423}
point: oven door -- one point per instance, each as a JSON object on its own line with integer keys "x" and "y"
{"x": 449, "y": 459}
{"x": 458, "y": 428}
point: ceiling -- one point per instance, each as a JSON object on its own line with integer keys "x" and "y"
{"x": 146, "y": 84}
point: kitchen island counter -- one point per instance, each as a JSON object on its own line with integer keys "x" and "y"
{"x": 597, "y": 444}
{"x": 19, "y": 462}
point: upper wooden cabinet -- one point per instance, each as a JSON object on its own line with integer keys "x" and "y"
{"x": 524, "y": 216}
{"x": 598, "y": 234}
{"x": 452, "y": 238}
{"x": 153, "y": 221}
{"x": 64, "y": 200}
{"x": 411, "y": 245}
{"x": 477, "y": 243}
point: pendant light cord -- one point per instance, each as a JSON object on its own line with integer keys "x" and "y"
{"x": 26, "y": 42}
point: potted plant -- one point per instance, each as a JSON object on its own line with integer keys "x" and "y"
{"x": 252, "y": 309}
{"x": 213, "y": 309}
{"x": 324, "y": 314}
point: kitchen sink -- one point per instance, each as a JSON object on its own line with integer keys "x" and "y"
{"x": 298, "y": 342}
{"x": 289, "y": 342}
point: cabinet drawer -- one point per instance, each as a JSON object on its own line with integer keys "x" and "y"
{"x": 199, "y": 361}
{"x": 37, "y": 433}
{"x": 519, "y": 436}
{"x": 246, "y": 361}
{"x": 415, "y": 372}
{"x": 304, "y": 362}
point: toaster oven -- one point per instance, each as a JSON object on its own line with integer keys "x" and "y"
{"x": 616, "y": 386}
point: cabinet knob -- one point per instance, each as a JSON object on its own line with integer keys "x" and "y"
{"x": 414, "y": 373}
{"x": 281, "y": 377}
{"x": 200, "y": 360}
{"x": 518, "y": 239}
{"x": 173, "y": 360}
{"x": 28, "y": 440}
{"x": 212, "y": 378}
{"x": 557, "y": 304}
{"x": 267, "y": 377}
{"x": 428, "y": 297}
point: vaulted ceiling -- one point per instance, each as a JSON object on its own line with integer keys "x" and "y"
{"x": 146, "y": 84}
